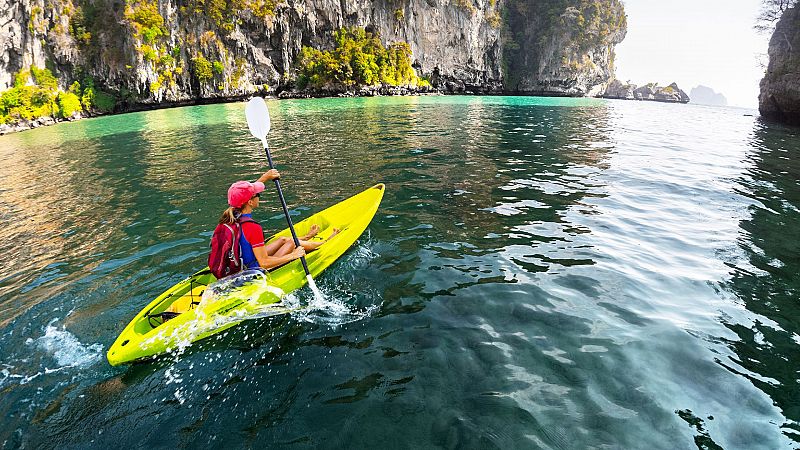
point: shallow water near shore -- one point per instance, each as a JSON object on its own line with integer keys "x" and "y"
{"x": 542, "y": 273}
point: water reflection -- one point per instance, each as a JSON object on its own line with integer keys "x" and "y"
{"x": 767, "y": 282}
{"x": 547, "y": 273}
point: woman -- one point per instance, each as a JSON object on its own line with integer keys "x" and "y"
{"x": 243, "y": 198}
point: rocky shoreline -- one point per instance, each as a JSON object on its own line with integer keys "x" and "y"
{"x": 616, "y": 90}
{"x": 386, "y": 91}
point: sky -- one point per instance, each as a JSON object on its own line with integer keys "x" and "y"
{"x": 694, "y": 42}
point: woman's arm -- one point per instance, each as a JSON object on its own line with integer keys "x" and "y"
{"x": 268, "y": 262}
{"x": 271, "y": 174}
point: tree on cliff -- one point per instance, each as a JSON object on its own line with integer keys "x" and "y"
{"x": 771, "y": 11}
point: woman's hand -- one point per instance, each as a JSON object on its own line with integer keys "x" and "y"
{"x": 271, "y": 174}
{"x": 298, "y": 253}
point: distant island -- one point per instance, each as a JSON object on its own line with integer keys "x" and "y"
{"x": 704, "y": 95}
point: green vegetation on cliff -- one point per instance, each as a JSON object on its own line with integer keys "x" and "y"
{"x": 36, "y": 94}
{"x": 359, "y": 59}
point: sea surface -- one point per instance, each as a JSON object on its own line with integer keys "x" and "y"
{"x": 542, "y": 273}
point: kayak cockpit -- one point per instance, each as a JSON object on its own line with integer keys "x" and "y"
{"x": 181, "y": 298}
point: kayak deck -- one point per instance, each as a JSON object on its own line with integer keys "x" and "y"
{"x": 180, "y": 316}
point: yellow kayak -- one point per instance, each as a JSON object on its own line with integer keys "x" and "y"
{"x": 186, "y": 313}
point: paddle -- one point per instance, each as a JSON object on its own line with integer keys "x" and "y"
{"x": 258, "y": 121}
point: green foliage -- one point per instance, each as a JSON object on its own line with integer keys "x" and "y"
{"x": 261, "y": 8}
{"x": 149, "y": 35}
{"x": 68, "y": 104}
{"x": 94, "y": 99}
{"x": 466, "y": 5}
{"x": 225, "y": 13}
{"x": 148, "y": 23}
{"x": 493, "y": 19}
{"x": 148, "y": 52}
{"x": 79, "y": 26}
{"x": 202, "y": 68}
{"x": 24, "y": 101}
{"x": 359, "y": 59}
{"x": 104, "y": 102}
{"x": 44, "y": 78}
{"x": 591, "y": 21}
{"x": 87, "y": 97}
{"x": 218, "y": 67}
{"x": 146, "y": 15}
{"x": 166, "y": 60}
{"x": 35, "y": 11}
{"x": 22, "y": 78}
{"x": 238, "y": 72}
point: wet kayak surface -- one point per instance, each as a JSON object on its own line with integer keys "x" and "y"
{"x": 541, "y": 273}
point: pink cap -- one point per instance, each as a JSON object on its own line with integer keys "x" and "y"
{"x": 242, "y": 191}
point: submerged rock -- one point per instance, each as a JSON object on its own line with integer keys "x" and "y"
{"x": 779, "y": 99}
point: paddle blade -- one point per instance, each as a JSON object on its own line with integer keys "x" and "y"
{"x": 257, "y": 118}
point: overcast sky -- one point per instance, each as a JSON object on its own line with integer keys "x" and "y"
{"x": 692, "y": 42}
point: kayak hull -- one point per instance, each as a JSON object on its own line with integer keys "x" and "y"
{"x": 147, "y": 335}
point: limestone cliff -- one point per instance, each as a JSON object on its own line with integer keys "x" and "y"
{"x": 556, "y": 47}
{"x": 780, "y": 89}
{"x": 157, "y": 51}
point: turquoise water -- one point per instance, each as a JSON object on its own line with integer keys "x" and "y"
{"x": 542, "y": 273}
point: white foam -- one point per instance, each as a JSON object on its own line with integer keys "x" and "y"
{"x": 67, "y": 350}
{"x": 331, "y": 309}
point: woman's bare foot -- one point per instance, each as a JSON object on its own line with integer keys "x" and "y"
{"x": 335, "y": 232}
{"x": 311, "y": 232}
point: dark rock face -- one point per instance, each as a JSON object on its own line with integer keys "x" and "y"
{"x": 704, "y": 95}
{"x": 459, "y": 45}
{"x": 780, "y": 88}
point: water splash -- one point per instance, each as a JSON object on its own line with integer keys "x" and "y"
{"x": 67, "y": 350}
{"x": 247, "y": 290}
{"x": 331, "y": 305}
{"x": 313, "y": 285}
{"x": 336, "y": 304}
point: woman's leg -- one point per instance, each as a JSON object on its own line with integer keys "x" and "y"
{"x": 284, "y": 246}
{"x": 285, "y": 249}
{"x": 276, "y": 245}
{"x": 313, "y": 245}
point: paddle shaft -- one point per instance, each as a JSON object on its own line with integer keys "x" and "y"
{"x": 286, "y": 210}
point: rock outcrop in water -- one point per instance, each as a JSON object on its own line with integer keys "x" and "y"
{"x": 154, "y": 52}
{"x": 780, "y": 88}
{"x": 626, "y": 91}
